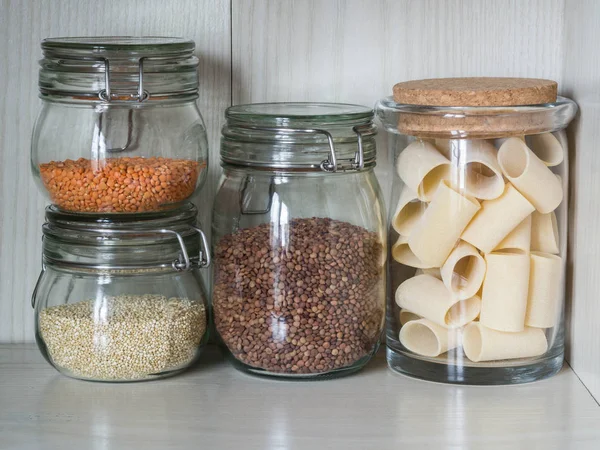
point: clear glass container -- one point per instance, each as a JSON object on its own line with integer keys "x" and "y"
{"x": 478, "y": 239}
{"x": 122, "y": 300}
{"x": 298, "y": 240}
{"x": 119, "y": 130}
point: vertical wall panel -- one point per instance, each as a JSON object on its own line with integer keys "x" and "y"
{"x": 330, "y": 50}
{"x": 582, "y": 83}
{"x": 355, "y": 50}
{"x": 23, "y": 23}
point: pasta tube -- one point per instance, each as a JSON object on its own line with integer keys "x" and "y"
{"x": 427, "y": 297}
{"x": 441, "y": 225}
{"x": 422, "y": 167}
{"x": 498, "y": 142}
{"x": 547, "y": 148}
{"x": 408, "y": 212}
{"x": 530, "y": 175}
{"x": 544, "y": 233}
{"x": 519, "y": 238}
{"x": 426, "y": 338}
{"x": 434, "y": 272}
{"x": 484, "y": 344}
{"x": 545, "y": 279}
{"x": 443, "y": 146}
{"x": 402, "y": 253}
{"x": 505, "y": 288}
{"x": 406, "y": 316}
{"x": 496, "y": 219}
{"x": 479, "y": 174}
{"x": 463, "y": 271}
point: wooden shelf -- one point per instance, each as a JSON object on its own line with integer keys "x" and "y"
{"x": 213, "y": 406}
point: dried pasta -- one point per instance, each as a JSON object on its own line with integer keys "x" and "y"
{"x": 530, "y": 175}
{"x": 441, "y": 225}
{"x": 428, "y": 297}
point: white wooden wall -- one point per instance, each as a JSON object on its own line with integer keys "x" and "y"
{"x": 581, "y": 81}
{"x": 23, "y": 23}
{"x": 303, "y": 50}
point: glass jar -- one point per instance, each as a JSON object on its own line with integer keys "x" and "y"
{"x": 119, "y": 130}
{"x": 121, "y": 300}
{"x": 298, "y": 239}
{"x": 478, "y": 225}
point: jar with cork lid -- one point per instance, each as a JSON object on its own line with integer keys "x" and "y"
{"x": 477, "y": 229}
{"x": 119, "y": 130}
{"x": 122, "y": 300}
{"x": 299, "y": 240}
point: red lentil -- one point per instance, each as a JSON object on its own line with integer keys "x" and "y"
{"x": 126, "y": 185}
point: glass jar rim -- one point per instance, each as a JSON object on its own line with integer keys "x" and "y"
{"x": 474, "y": 121}
{"x": 133, "y": 45}
{"x": 291, "y": 114}
{"x": 173, "y": 230}
{"x": 302, "y": 136}
{"x": 118, "y": 69}
{"x": 185, "y": 214}
{"x": 390, "y": 103}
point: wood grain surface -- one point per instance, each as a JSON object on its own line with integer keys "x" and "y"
{"x": 213, "y": 406}
{"x": 582, "y": 83}
{"x": 354, "y": 51}
{"x": 305, "y": 50}
{"x": 22, "y": 25}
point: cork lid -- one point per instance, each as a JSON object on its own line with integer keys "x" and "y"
{"x": 482, "y": 107}
{"x": 476, "y": 92}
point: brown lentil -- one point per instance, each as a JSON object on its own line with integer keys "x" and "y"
{"x": 137, "y": 337}
{"x": 120, "y": 184}
{"x": 311, "y": 304}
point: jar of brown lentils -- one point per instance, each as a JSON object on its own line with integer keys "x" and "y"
{"x": 299, "y": 240}
{"x": 119, "y": 130}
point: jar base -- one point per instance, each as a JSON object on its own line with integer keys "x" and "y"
{"x": 142, "y": 378}
{"x": 150, "y": 377}
{"x": 469, "y": 375}
{"x": 335, "y": 373}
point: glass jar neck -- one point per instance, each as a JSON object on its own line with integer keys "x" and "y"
{"x": 166, "y": 240}
{"x": 299, "y": 137}
{"x": 474, "y": 122}
{"x": 118, "y": 70}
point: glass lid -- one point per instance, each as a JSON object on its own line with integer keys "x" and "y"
{"x": 118, "y": 69}
{"x": 330, "y": 137}
{"x": 477, "y": 122}
{"x": 288, "y": 114}
{"x": 185, "y": 215}
{"x": 113, "y": 45}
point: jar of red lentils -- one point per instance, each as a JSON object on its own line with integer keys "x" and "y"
{"x": 119, "y": 130}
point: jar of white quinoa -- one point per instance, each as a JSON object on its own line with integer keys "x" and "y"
{"x": 122, "y": 300}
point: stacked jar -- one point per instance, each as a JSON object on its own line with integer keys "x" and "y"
{"x": 299, "y": 240}
{"x": 119, "y": 147}
{"x": 479, "y": 225}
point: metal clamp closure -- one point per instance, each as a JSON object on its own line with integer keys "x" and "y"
{"x": 332, "y": 163}
{"x": 243, "y": 196}
{"x": 204, "y": 258}
{"x": 106, "y": 94}
{"x": 39, "y": 280}
{"x": 183, "y": 263}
